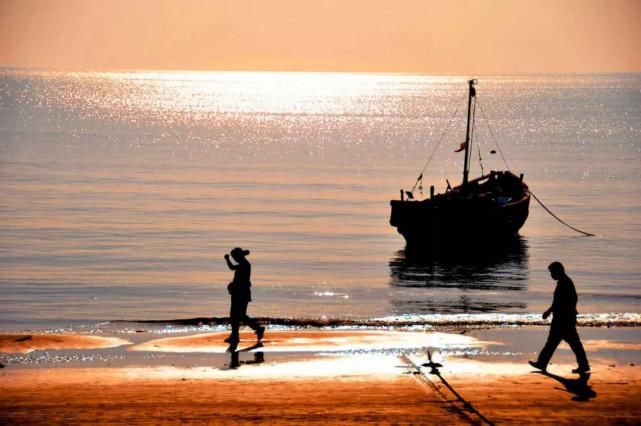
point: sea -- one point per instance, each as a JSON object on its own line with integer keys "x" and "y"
{"x": 120, "y": 193}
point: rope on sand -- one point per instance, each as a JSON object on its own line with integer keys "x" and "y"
{"x": 467, "y": 408}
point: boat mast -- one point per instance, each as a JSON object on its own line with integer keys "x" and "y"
{"x": 467, "y": 133}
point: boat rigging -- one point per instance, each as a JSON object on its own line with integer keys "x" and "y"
{"x": 483, "y": 212}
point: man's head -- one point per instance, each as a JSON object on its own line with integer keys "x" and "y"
{"x": 556, "y": 270}
{"x": 239, "y": 254}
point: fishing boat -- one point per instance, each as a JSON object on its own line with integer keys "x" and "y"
{"x": 482, "y": 212}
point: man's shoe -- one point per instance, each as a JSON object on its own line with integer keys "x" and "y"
{"x": 232, "y": 339}
{"x": 260, "y": 332}
{"x": 537, "y": 365}
{"x": 581, "y": 370}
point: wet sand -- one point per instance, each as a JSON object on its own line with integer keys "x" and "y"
{"x": 25, "y": 343}
{"x": 360, "y": 386}
{"x": 309, "y": 341}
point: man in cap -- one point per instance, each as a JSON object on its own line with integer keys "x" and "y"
{"x": 240, "y": 292}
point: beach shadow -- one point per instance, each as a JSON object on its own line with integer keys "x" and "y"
{"x": 234, "y": 352}
{"x": 580, "y": 387}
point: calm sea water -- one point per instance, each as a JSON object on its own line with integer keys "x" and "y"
{"x": 121, "y": 192}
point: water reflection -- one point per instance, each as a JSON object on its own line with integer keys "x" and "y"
{"x": 481, "y": 280}
{"x": 234, "y": 352}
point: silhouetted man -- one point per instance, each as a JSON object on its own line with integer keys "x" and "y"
{"x": 240, "y": 292}
{"x": 563, "y": 325}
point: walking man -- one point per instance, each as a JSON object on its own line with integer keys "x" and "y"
{"x": 563, "y": 325}
{"x": 240, "y": 292}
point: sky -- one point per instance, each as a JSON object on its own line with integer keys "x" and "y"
{"x": 408, "y": 36}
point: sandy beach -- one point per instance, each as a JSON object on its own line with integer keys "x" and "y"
{"x": 313, "y": 377}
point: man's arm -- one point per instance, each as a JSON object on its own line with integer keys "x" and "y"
{"x": 229, "y": 264}
{"x": 555, "y": 302}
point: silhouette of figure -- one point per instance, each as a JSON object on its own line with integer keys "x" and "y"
{"x": 563, "y": 325}
{"x": 240, "y": 292}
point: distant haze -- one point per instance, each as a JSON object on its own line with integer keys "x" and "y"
{"x": 416, "y": 36}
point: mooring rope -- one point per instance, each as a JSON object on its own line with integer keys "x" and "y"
{"x": 532, "y": 193}
{"x": 558, "y": 218}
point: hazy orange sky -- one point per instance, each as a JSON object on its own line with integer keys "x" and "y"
{"x": 418, "y": 36}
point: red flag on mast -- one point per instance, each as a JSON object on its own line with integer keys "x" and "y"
{"x": 461, "y": 147}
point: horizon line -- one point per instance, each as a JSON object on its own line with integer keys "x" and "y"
{"x": 294, "y": 71}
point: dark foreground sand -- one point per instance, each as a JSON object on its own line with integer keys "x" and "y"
{"x": 172, "y": 401}
{"x": 105, "y": 396}
{"x": 314, "y": 388}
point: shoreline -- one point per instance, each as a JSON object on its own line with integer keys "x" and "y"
{"x": 460, "y": 341}
{"x": 427, "y": 322}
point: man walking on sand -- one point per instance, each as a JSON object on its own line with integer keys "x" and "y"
{"x": 563, "y": 325}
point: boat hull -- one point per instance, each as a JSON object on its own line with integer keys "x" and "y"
{"x": 473, "y": 220}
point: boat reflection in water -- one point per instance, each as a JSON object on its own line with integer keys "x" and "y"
{"x": 493, "y": 279}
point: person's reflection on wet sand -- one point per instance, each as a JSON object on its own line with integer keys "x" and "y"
{"x": 235, "y": 362}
